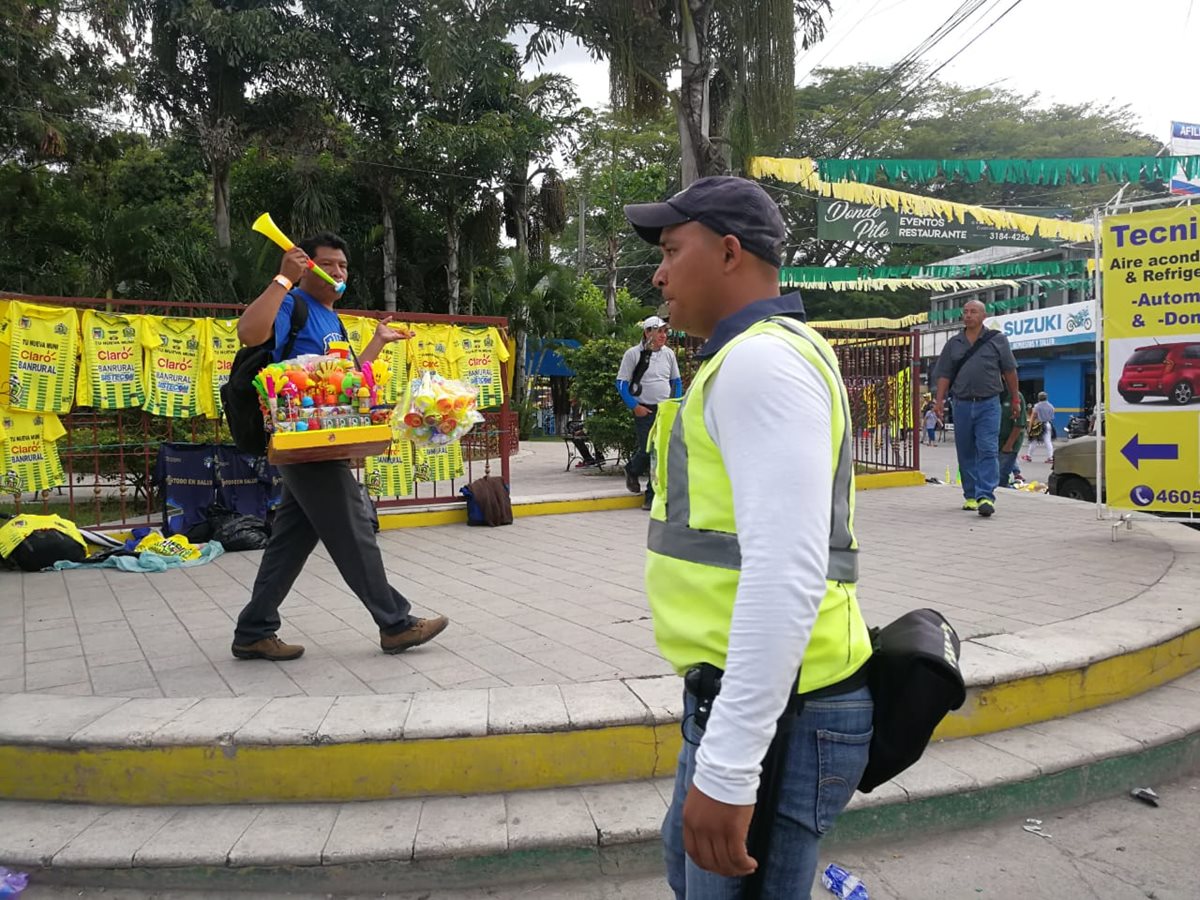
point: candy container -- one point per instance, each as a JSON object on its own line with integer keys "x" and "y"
{"x": 440, "y": 410}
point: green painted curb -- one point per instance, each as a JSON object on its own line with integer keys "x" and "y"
{"x": 1070, "y": 787}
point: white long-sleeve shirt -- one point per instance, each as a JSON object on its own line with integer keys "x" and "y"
{"x": 769, "y": 411}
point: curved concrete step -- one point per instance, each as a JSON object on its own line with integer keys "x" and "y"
{"x": 414, "y": 844}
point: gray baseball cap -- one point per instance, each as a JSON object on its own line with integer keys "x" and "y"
{"x": 721, "y": 203}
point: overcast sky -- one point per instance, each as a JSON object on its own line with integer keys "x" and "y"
{"x": 1070, "y": 51}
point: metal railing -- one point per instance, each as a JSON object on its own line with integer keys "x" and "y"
{"x": 882, "y": 373}
{"x": 110, "y": 457}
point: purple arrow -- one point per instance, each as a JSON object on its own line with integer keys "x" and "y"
{"x": 1135, "y": 452}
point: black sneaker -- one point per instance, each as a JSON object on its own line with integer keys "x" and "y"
{"x": 986, "y": 508}
{"x": 632, "y": 482}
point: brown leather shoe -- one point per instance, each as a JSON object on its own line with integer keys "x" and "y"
{"x": 422, "y": 632}
{"x": 268, "y": 648}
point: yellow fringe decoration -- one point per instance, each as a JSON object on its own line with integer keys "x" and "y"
{"x": 803, "y": 171}
{"x": 873, "y": 322}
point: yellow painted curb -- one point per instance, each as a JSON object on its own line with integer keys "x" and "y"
{"x": 1024, "y": 701}
{"x": 506, "y": 762}
{"x": 190, "y": 775}
{"x": 876, "y": 480}
{"x": 458, "y": 514}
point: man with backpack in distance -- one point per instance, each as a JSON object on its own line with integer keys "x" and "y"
{"x": 752, "y": 563}
{"x": 321, "y": 500}
{"x": 648, "y": 375}
{"x": 974, "y": 367}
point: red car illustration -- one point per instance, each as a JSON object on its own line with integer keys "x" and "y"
{"x": 1162, "y": 370}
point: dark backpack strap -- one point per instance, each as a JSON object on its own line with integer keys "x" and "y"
{"x": 643, "y": 363}
{"x": 984, "y": 338}
{"x": 299, "y": 320}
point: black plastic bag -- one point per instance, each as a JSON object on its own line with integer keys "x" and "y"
{"x": 241, "y": 533}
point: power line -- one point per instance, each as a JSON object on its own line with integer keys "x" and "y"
{"x": 871, "y": 122}
{"x": 901, "y": 69}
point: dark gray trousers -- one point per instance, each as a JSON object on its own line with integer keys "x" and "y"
{"x": 321, "y": 501}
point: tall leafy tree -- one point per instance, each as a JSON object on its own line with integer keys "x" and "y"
{"x": 198, "y": 64}
{"x": 736, "y": 60}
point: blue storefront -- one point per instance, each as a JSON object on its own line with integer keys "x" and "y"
{"x": 1055, "y": 351}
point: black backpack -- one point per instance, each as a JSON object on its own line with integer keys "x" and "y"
{"x": 238, "y": 396}
{"x": 915, "y": 681}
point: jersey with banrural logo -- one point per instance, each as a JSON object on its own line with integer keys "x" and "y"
{"x": 29, "y": 461}
{"x": 221, "y": 345}
{"x": 43, "y": 347}
{"x": 391, "y": 475}
{"x": 110, "y": 371}
{"x": 440, "y": 462}
{"x": 483, "y": 349}
{"x": 174, "y": 353}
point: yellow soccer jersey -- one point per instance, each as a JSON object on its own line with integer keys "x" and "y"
{"x": 30, "y": 458}
{"x": 110, "y": 371}
{"x": 360, "y": 330}
{"x": 483, "y": 349}
{"x": 442, "y": 462}
{"x": 433, "y": 349}
{"x": 174, "y": 354}
{"x": 4, "y": 371}
{"x": 220, "y": 347}
{"x": 391, "y": 475}
{"x": 43, "y": 350}
{"x": 395, "y": 355}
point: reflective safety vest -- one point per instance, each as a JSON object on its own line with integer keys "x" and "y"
{"x": 694, "y": 560}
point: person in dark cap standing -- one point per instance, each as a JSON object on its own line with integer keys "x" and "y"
{"x": 648, "y": 374}
{"x": 752, "y": 562}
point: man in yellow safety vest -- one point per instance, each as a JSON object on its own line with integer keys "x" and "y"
{"x": 752, "y": 562}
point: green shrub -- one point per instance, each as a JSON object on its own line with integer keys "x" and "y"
{"x": 609, "y": 422}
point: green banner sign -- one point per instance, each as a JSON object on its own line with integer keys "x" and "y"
{"x": 838, "y": 220}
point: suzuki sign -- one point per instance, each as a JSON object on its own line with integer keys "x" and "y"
{"x": 1071, "y": 324}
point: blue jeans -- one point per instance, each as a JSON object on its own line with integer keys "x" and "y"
{"x": 1008, "y": 462}
{"x": 977, "y": 440}
{"x": 827, "y": 756}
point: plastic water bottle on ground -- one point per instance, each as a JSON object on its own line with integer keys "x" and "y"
{"x": 842, "y": 884}
{"x": 12, "y": 883}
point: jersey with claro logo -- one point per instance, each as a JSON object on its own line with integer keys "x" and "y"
{"x": 30, "y": 457}
{"x": 221, "y": 346}
{"x": 110, "y": 372}
{"x": 43, "y": 349}
{"x": 483, "y": 349}
{"x": 174, "y": 354}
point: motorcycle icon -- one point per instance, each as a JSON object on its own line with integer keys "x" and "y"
{"x": 1081, "y": 320}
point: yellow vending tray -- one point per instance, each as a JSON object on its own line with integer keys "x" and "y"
{"x": 329, "y": 443}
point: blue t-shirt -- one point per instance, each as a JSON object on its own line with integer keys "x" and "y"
{"x": 323, "y": 326}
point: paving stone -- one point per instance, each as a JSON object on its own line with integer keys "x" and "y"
{"x": 930, "y": 777}
{"x": 371, "y": 717}
{"x": 47, "y": 719}
{"x": 558, "y": 818}
{"x": 132, "y": 723}
{"x": 1081, "y": 731}
{"x": 626, "y": 812}
{"x": 447, "y": 714}
{"x": 602, "y": 703}
{"x": 69, "y": 670}
{"x": 32, "y": 833}
{"x": 197, "y": 836}
{"x": 1049, "y": 754}
{"x": 663, "y": 696}
{"x": 379, "y": 830}
{"x": 111, "y": 841}
{"x": 285, "y": 835}
{"x": 122, "y": 677}
{"x": 984, "y": 764}
{"x": 523, "y": 709}
{"x": 887, "y": 793}
{"x": 286, "y": 720}
{"x": 452, "y": 827}
{"x": 210, "y": 721}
